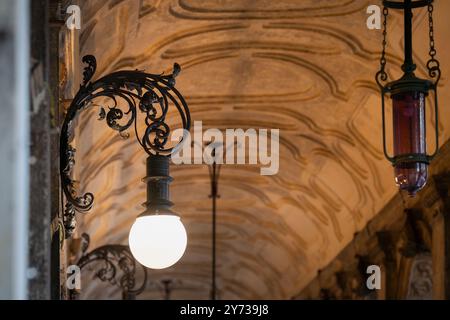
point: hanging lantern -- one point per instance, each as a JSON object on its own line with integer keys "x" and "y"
{"x": 408, "y": 95}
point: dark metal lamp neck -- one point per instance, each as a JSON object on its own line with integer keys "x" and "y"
{"x": 407, "y": 6}
{"x": 158, "y": 180}
{"x": 408, "y": 66}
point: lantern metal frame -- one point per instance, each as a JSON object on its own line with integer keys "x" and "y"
{"x": 150, "y": 94}
{"x": 409, "y": 81}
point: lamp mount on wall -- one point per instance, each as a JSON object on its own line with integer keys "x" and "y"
{"x": 410, "y": 158}
{"x": 157, "y": 238}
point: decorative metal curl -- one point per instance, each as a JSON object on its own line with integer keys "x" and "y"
{"x": 141, "y": 92}
{"x": 89, "y": 70}
{"x": 434, "y": 70}
{"x": 381, "y": 78}
{"x": 119, "y": 267}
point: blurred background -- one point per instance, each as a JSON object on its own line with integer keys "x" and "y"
{"x": 305, "y": 67}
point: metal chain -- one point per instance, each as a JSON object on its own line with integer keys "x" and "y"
{"x": 432, "y": 64}
{"x": 430, "y": 19}
{"x": 382, "y": 75}
{"x": 383, "y": 53}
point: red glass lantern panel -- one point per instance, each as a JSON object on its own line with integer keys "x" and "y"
{"x": 409, "y": 138}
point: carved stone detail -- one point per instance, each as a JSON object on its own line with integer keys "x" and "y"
{"x": 421, "y": 278}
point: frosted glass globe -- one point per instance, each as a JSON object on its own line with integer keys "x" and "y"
{"x": 157, "y": 241}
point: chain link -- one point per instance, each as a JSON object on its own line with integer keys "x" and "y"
{"x": 430, "y": 19}
{"x": 432, "y": 64}
{"x": 384, "y": 43}
{"x": 382, "y": 75}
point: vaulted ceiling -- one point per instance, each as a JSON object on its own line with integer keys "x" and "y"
{"x": 305, "y": 67}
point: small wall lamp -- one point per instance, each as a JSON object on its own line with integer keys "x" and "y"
{"x": 157, "y": 238}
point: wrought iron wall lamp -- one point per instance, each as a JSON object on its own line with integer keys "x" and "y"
{"x": 157, "y": 238}
{"x": 410, "y": 158}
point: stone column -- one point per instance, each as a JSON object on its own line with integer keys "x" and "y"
{"x": 387, "y": 244}
{"x": 39, "y": 233}
{"x": 441, "y": 239}
{"x": 14, "y": 147}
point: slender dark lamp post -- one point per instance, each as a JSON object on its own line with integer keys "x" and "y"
{"x": 408, "y": 94}
{"x": 157, "y": 238}
{"x": 214, "y": 173}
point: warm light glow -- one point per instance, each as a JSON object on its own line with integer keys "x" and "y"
{"x": 158, "y": 241}
{"x": 410, "y": 138}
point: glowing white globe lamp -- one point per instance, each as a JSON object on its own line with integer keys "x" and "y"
{"x": 158, "y": 241}
{"x": 157, "y": 238}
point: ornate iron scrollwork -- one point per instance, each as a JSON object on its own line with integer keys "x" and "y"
{"x": 129, "y": 93}
{"x": 119, "y": 267}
